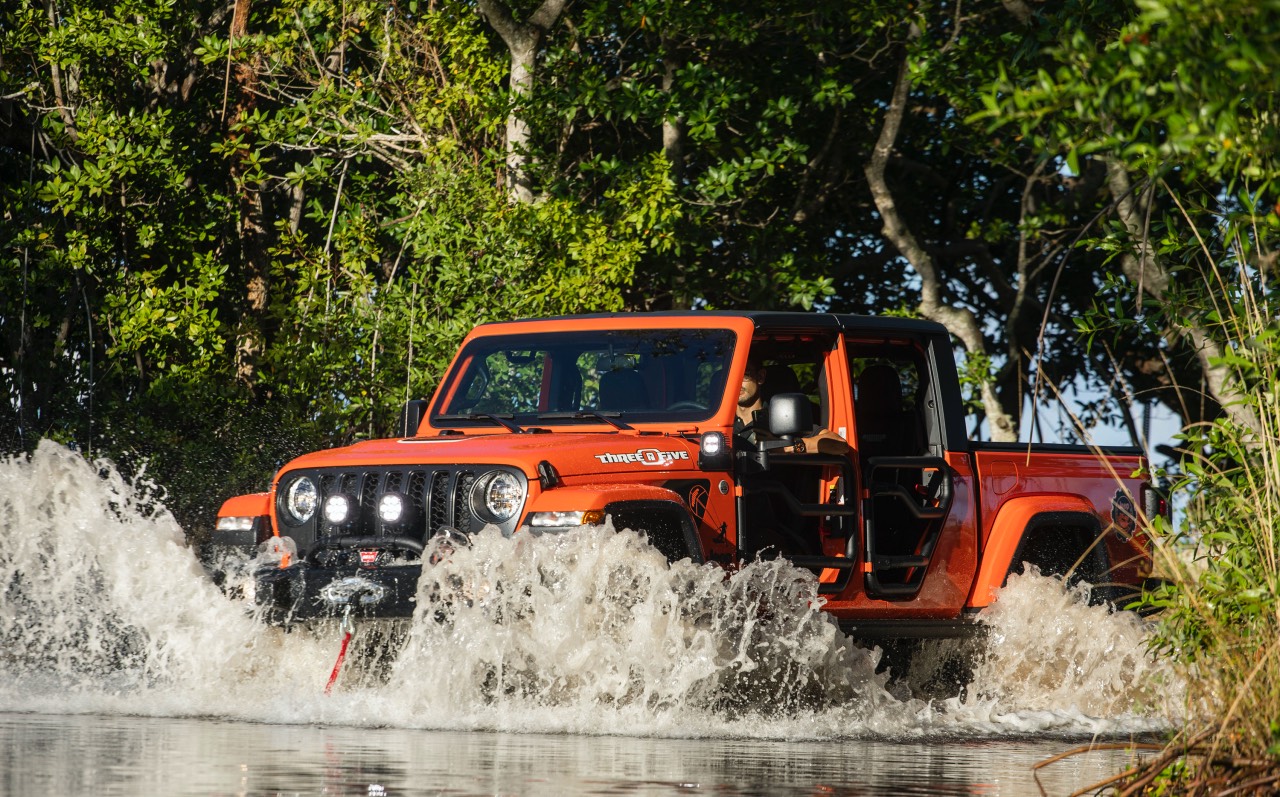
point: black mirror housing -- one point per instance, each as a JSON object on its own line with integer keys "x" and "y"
{"x": 410, "y": 417}
{"x": 790, "y": 414}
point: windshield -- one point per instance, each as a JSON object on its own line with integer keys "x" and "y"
{"x": 587, "y": 376}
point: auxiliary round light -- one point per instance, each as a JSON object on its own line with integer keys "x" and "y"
{"x": 502, "y": 494}
{"x": 336, "y": 509}
{"x": 301, "y": 499}
{"x": 391, "y": 507}
{"x": 713, "y": 444}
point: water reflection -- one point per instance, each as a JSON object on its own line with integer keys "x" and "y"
{"x": 114, "y": 755}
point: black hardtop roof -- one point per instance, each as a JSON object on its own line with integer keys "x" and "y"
{"x": 775, "y": 320}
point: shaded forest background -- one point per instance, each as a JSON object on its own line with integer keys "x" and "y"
{"x": 232, "y": 232}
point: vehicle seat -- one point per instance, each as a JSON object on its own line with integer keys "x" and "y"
{"x": 569, "y": 394}
{"x": 779, "y": 378}
{"x": 884, "y": 427}
{"x": 623, "y": 389}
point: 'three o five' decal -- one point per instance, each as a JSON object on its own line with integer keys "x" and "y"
{"x": 644, "y": 456}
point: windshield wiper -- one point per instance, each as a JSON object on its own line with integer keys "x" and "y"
{"x": 501, "y": 420}
{"x": 610, "y": 418}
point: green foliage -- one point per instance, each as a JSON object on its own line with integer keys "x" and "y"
{"x": 1182, "y": 82}
{"x": 974, "y": 372}
{"x": 1177, "y": 99}
{"x": 306, "y": 220}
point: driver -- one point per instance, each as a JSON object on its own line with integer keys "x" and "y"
{"x": 751, "y": 402}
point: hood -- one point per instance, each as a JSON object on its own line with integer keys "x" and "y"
{"x": 572, "y": 454}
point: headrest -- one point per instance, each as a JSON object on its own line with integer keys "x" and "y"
{"x": 623, "y": 389}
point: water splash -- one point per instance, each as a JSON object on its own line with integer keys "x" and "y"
{"x": 103, "y": 608}
{"x": 1049, "y": 650}
{"x": 571, "y": 625}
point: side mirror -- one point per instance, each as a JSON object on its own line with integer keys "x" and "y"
{"x": 410, "y": 417}
{"x": 790, "y": 414}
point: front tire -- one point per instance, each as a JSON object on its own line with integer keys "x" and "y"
{"x": 668, "y": 526}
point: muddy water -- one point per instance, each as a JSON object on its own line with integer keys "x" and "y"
{"x": 575, "y": 664}
{"x": 114, "y": 755}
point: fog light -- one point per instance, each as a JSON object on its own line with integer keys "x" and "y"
{"x": 391, "y": 508}
{"x": 336, "y": 509}
{"x": 235, "y": 523}
{"x": 565, "y": 520}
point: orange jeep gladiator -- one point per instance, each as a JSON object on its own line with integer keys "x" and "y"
{"x": 546, "y": 425}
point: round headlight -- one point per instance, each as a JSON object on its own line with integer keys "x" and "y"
{"x": 301, "y": 499}
{"x": 391, "y": 507}
{"x": 336, "y": 508}
{"x": 501, "y": 494}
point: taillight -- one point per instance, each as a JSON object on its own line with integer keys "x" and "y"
{"x": 1154, "y": 502}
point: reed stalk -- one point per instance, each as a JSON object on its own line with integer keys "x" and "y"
{"x": 1220, "y": 612}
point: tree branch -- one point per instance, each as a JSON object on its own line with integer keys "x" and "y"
{"x": 1145, "y": 271}
{"x": 959, "y": 321}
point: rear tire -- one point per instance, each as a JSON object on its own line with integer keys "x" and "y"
{"x": 1067, "y": 552}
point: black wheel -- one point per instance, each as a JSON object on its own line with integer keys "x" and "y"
{"x": 669, "y": 529}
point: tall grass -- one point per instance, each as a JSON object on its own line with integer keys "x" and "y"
{"x": 1221, "y": 612}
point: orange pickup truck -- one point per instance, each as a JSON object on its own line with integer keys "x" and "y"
{"x": 542, "y": 426}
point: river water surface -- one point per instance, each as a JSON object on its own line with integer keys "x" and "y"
{"x": 575, "y": 664}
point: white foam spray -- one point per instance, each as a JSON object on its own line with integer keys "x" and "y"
{"x": 103, "y": 608}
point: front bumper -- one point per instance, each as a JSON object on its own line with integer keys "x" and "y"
{"x": 305, "y": 592}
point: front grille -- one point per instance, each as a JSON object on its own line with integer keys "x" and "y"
{"x": 439, "y": 507}
{"x": 445, "y": 504}
{"x": 435, "y": 498}
{"x": 464, "y": 519}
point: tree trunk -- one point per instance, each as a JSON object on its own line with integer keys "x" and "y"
{"x": 672, "y": 124}
{"x": 959, "y": 321}
{"x": 673, "y": 141}
{"x": 64, "y": 109}
{"x": 252, "y": 228}
{"x": 1144, "y": 270}
{"x": 522, "y": 40}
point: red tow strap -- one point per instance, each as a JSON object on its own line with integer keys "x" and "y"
{"x": 342, "y": 651}
{"x": 337, "y": 665}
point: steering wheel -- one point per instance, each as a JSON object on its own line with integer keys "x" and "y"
{"x": 687, "y": 405}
